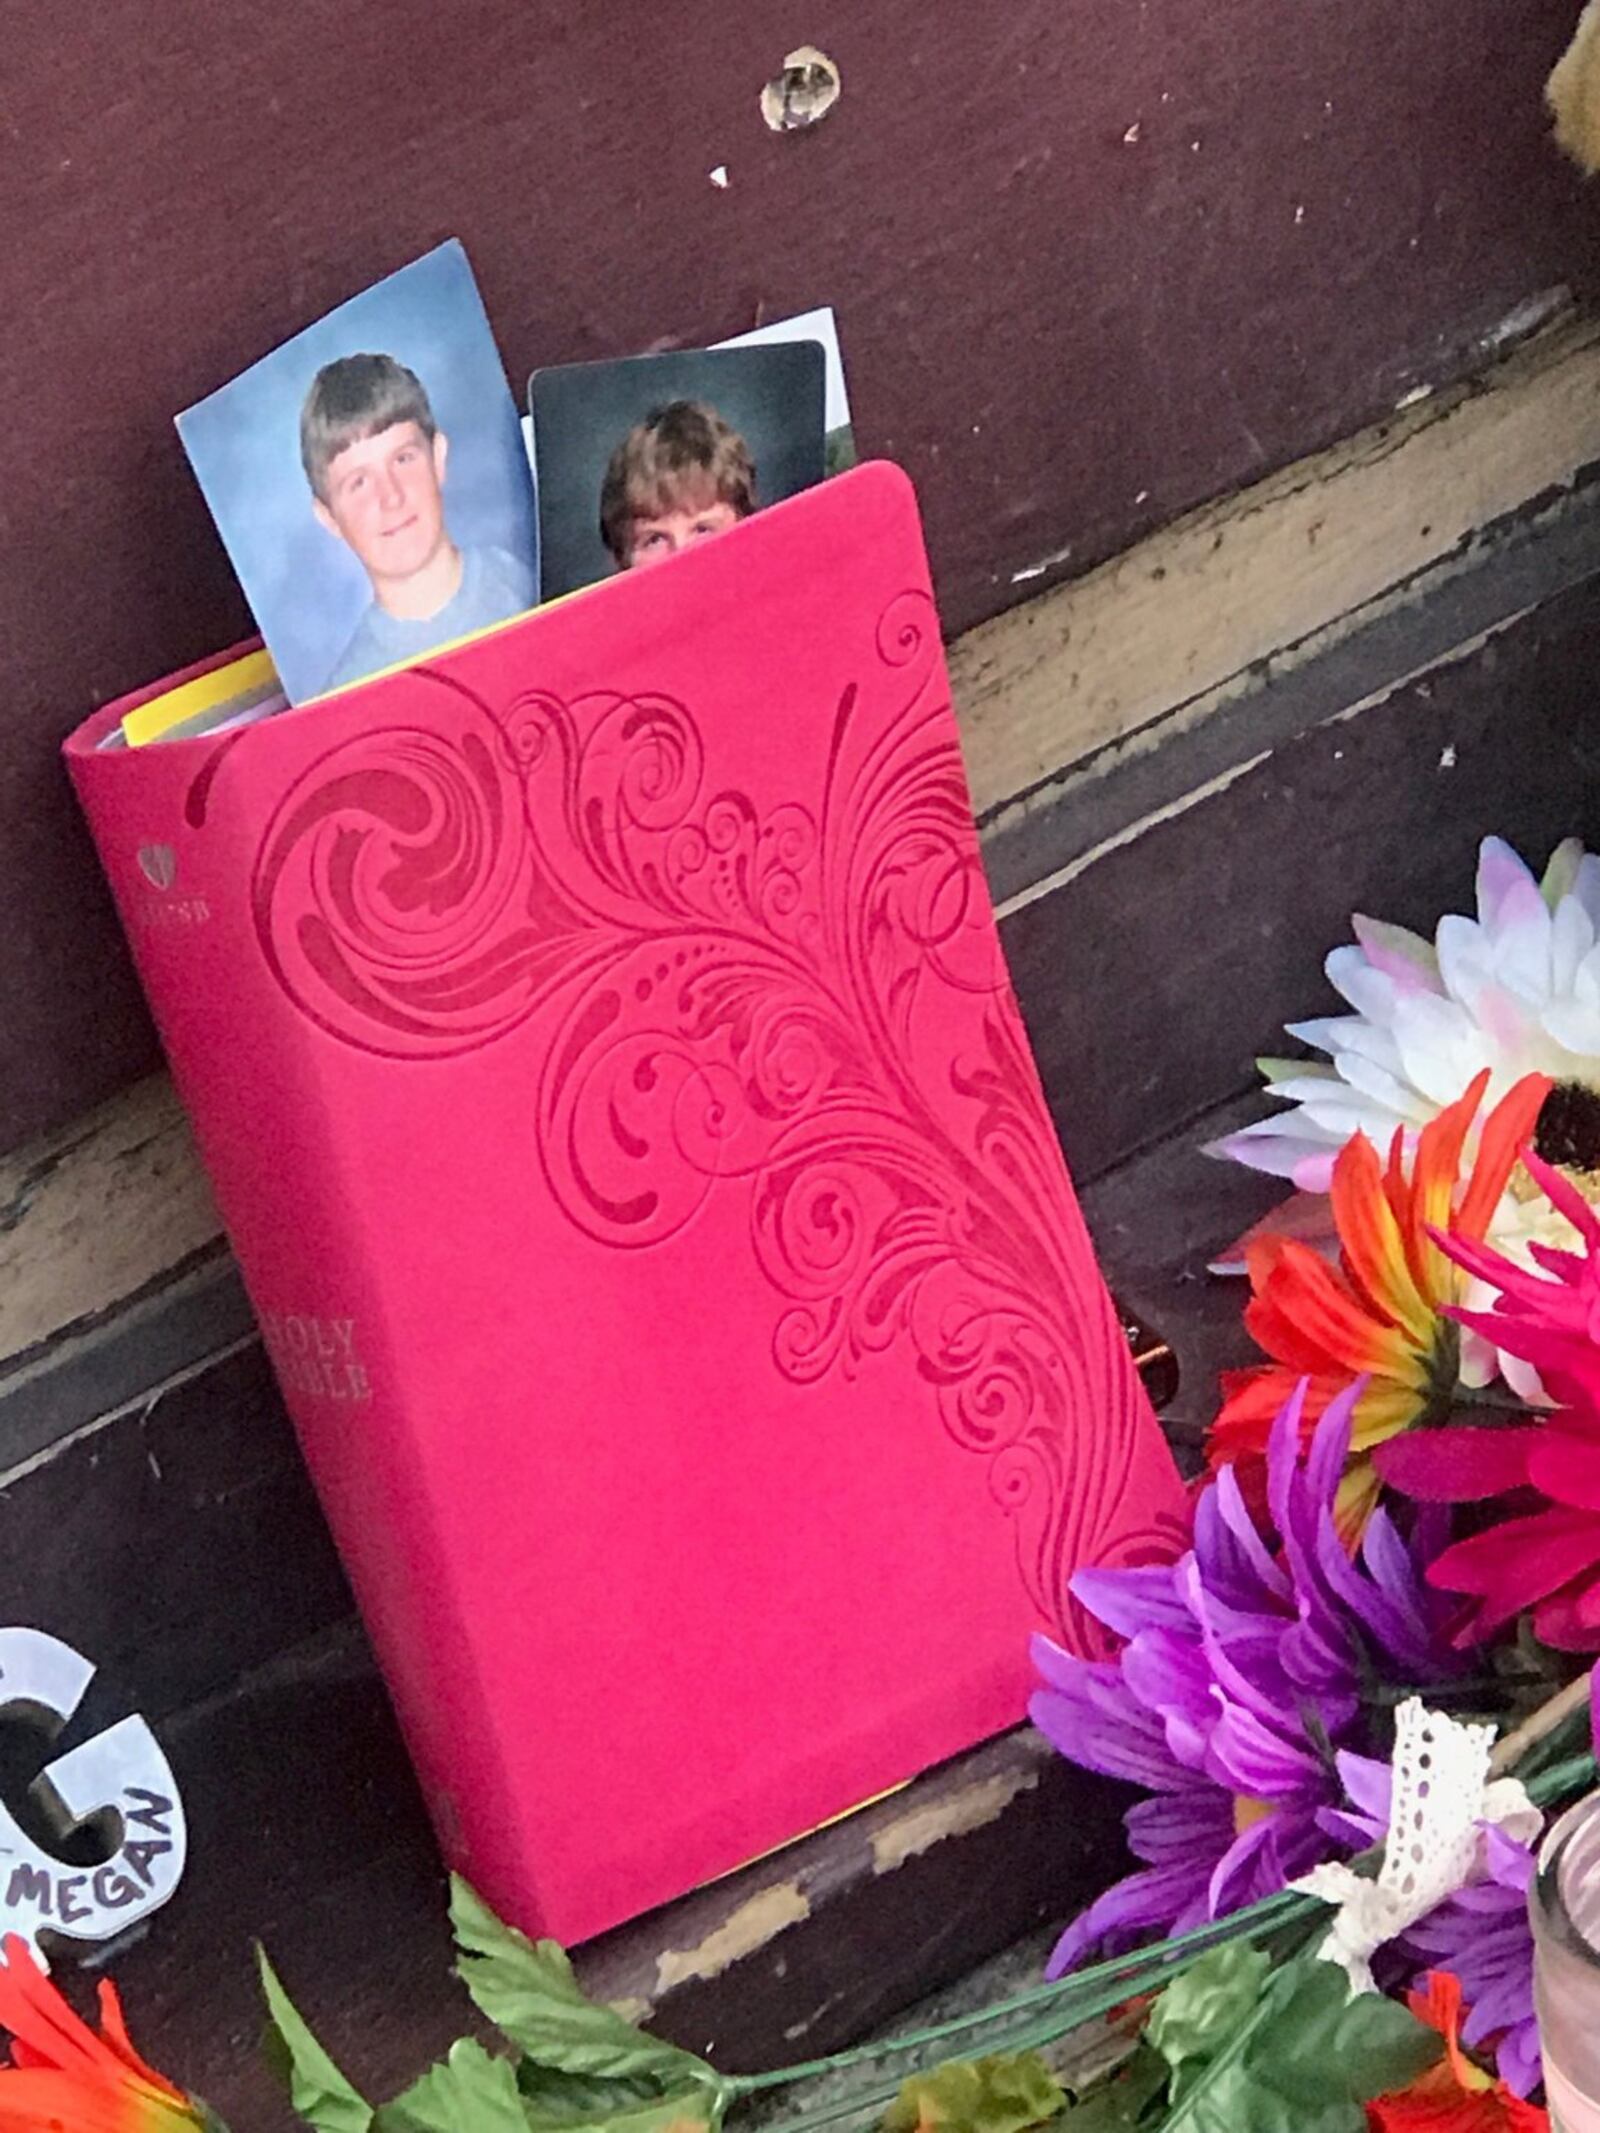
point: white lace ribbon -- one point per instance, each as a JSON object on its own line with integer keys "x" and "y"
{"x": 1440, "y": 1798}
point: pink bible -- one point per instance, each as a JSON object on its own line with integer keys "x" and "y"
{"x": 598, "y": 1038}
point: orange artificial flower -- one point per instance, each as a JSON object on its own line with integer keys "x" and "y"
{"x": 64, "y": 2077}
{"x": 1378, "y": 1314}
{"x": 1455, "y": 2096}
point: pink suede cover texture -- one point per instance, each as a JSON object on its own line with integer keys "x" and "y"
{"x": 599, "y": 1041}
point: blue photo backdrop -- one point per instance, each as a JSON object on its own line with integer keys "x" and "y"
{"x": 307, "y": 590}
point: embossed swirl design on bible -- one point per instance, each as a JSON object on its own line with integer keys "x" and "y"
{"x": 733, "y": 998}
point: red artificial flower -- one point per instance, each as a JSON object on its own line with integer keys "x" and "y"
{"x": 1547, "y": 1561}
{"x": 1455, "y": 2096}
{"x": 64, "y": 2077}
{"x": 1380, "y": 1315}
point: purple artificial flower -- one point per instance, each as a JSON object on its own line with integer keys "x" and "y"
{"x": 1482, "y": 1933}
{"x": 1242, "y": 1673}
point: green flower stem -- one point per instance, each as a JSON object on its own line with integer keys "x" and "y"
{"x": 1029, "y": 2036}
{"x": 1099, "y": 1989}
{"x": 1553, "y": 1787}
{"x": 873, "y": 2095}
{"x": 1045, "y": 2012}
{"x": 1486, "y": 1400}
{"x": 1240, "y": 2042}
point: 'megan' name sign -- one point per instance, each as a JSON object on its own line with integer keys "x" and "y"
{"x": 118, "y": 1780}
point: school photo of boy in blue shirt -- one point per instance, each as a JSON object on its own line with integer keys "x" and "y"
{"x": 376, "y": 459}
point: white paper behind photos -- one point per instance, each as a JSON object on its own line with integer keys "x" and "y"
{"x": 819, "y": 325}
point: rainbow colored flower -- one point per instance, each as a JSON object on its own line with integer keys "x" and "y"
{"x": 1385, "y": 1312}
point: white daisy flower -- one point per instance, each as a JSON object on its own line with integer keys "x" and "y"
{"x": 1516, "y": 990}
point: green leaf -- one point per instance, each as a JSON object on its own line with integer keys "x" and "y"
{"x": 468, "y": 2092}
{"x": 1325, "y": 2045}
{"x": 318, "y": 2091}
{"x": 1305, "y": 2058}
{"x": 531, "y": 1996}
{"x": 694, "y": 2110}
{"x": 1005, "y": 2093}
{"x": 1231, "y": 2100}
{"x": 552, "y": 2098}
{"x": 1123, "y": 2099}
{"x": 1201, "y": 2010}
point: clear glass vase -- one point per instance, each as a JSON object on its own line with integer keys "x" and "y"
{"x": 1564, "y": 1903}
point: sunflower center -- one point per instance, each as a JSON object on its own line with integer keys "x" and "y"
{"x": 1567, "y": 1131}
{"x": 1247, "y": 1812}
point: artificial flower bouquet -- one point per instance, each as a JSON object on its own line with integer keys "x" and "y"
{"x": 1348, "y": 1708}
{"x": 1401, "y": 1518}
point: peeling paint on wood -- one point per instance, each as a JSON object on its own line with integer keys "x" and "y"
{"x": 956, "y": 1816}
{"x": 1176, "y": 620}
{"x": 742, "y": 1932}
{"x": 90, "y": 1216}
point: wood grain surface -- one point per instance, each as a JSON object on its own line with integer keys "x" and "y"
{"x": 1092, "y": 265}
